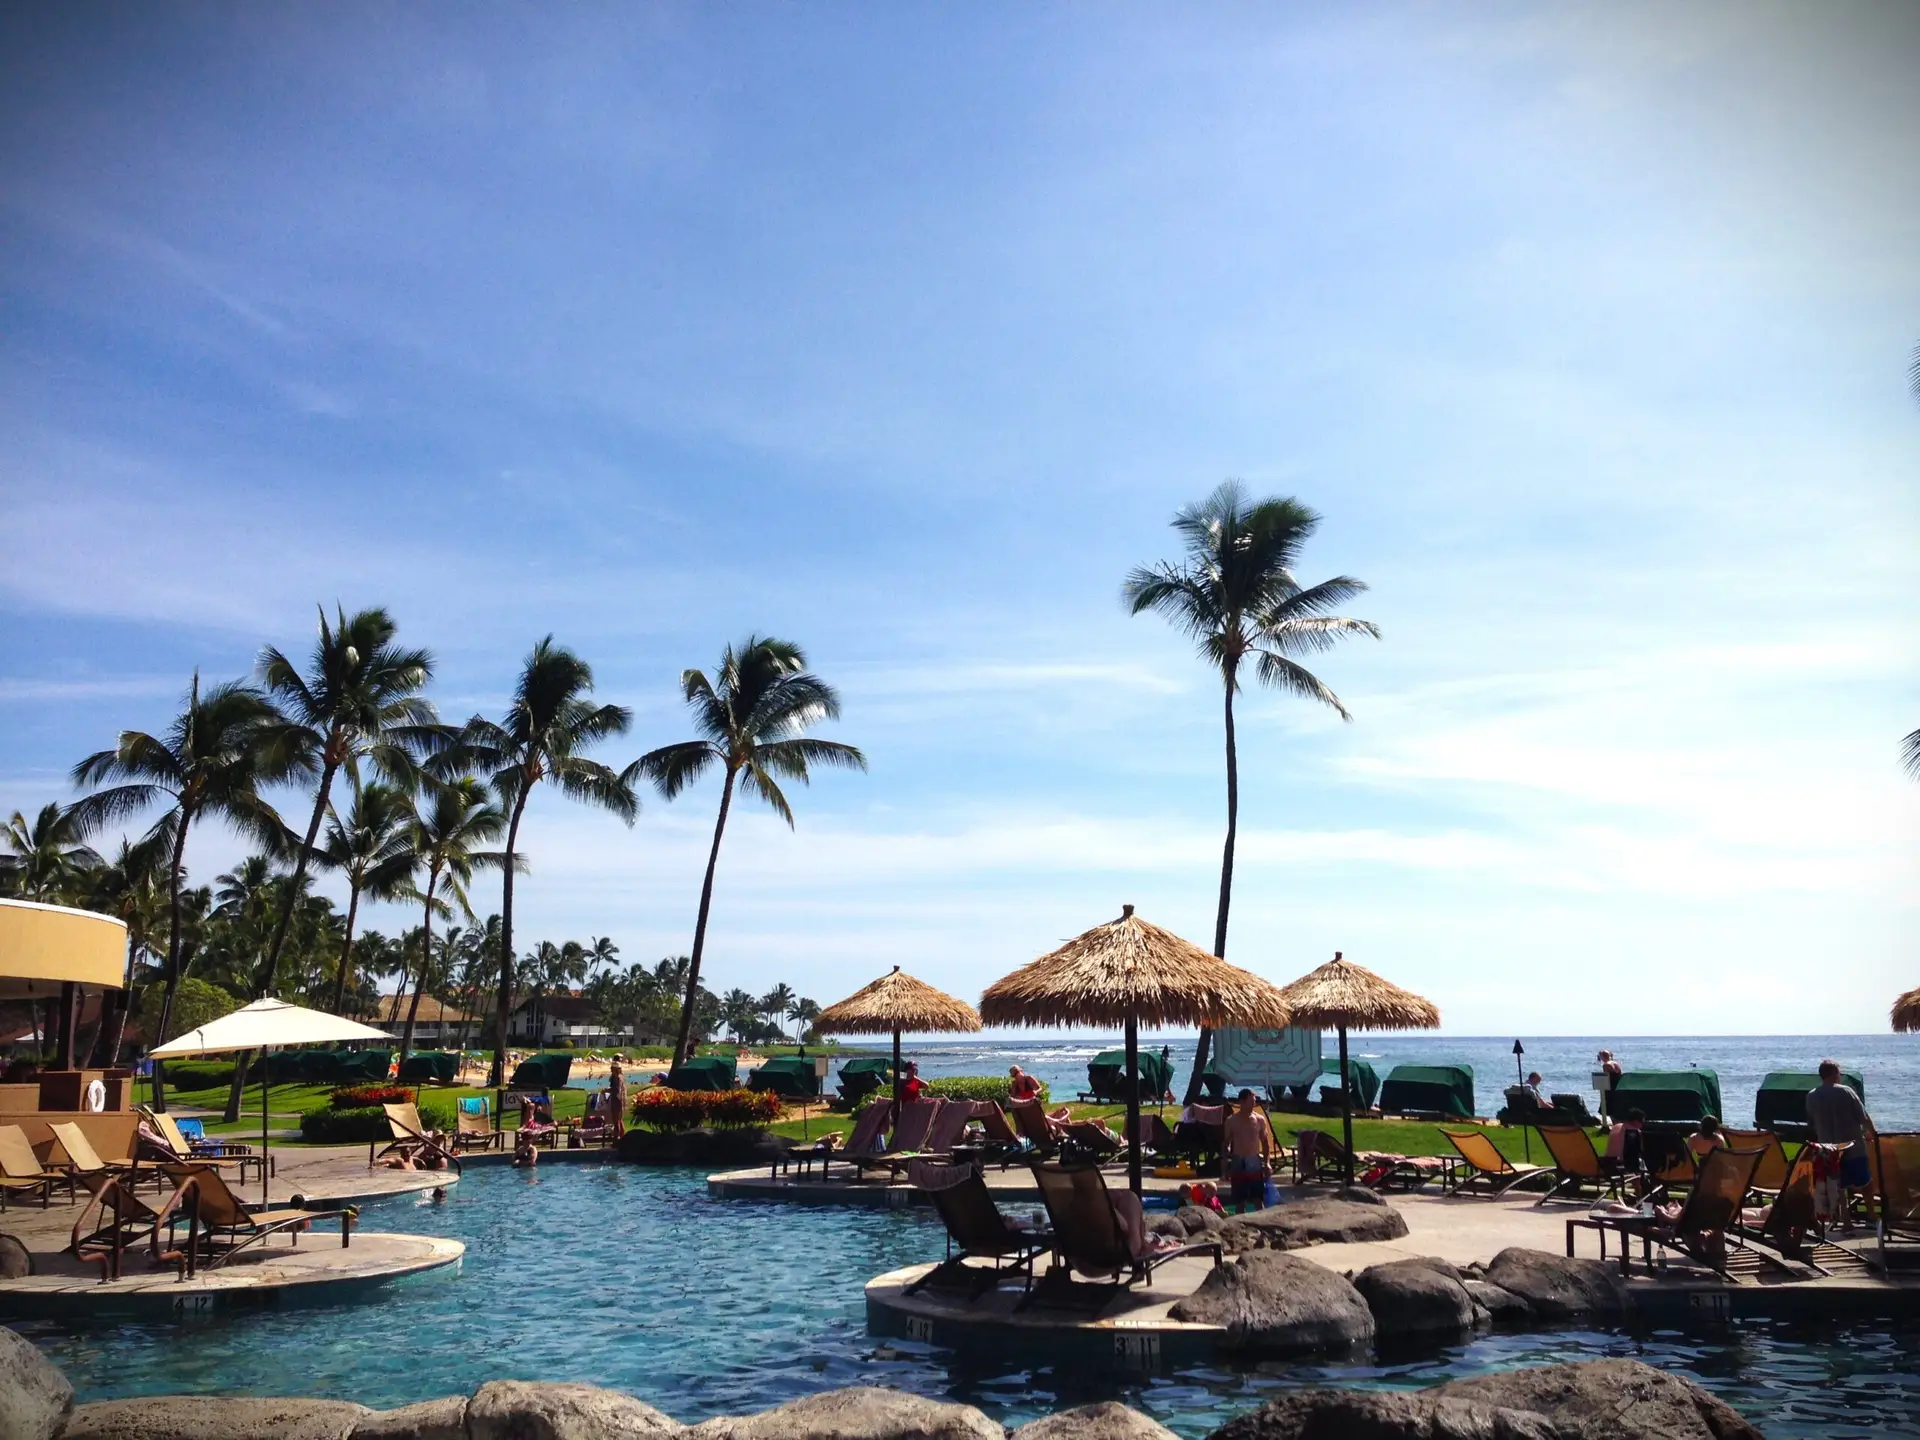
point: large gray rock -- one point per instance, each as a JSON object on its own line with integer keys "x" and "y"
{"x": 1416, "y": 1299}
{"x": 1329, "y": 1220}
{"x": 429, "y": 1420}
{"x": 1105, "y": 1421}
{"x": 860, "y": 1413}
{"x": 1279, "y": 1304}
{"x": 1609, "y": 1400}
{"x": 1502, "y": 1306}
{"x": 524, "y": 1410}
{"x": 35, "y": 1398}
{"x": 16, "y": 1261}
{"x": 1199, "y": 1220}
{"x": 213, "y": 1417}
{"x": 1383, "y": 1415}
{"x": 1561, "y": 1287}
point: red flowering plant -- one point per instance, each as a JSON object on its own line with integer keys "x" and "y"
{"x": 360, "y": 1097}
{"x": 659, "y": 1108}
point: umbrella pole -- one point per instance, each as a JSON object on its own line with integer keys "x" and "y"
{"x": 1346, "y": 1108}
{"x": 1133, "y": 1105}
{"x": 896, "y": 1077}
{"x": 264, "y": 1142}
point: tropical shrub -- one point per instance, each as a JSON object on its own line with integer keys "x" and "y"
{"x": 359, "y": 1097}
{"x": 195, "y": 1003}
{"x": 363, "y": 1125}
{"x": 975, "y": 1087}
{"x": 662, "y": 1109}
{"x": 185, "y": 1075}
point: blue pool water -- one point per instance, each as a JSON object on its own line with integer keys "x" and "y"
{"x": 634, "y": 1278}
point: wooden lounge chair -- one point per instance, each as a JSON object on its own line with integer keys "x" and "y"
{"x": 1088, "y": 1236}
{"x": 220, "y": 1225}
{"x": 473, "y": 1127}
{"x": 1701, "y": 1227}
{"x": 411, "y": 1139}
{"x": 177, "y": 1149}
{"x": 21, "y": 1172}
{"x": 1490, "y": 1168}
{"x": 976, "y": 1230}
{"x": 908, "y": 1140}
{"x": 1897, "y": 1166}
{"x": 1576, "y": 1166}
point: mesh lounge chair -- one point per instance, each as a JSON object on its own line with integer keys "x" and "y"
{"x": 410, "y": 1139}
{"x": 1001, "y": 1143}
{"x": 220, "y": 1225}
{"x": 83, "y": 1162}
{"x": 1897, "y": 1163}
{"x": 176, "y": 1148}
{"x": 908, "y": 1140}
{"x": 1203, "y": 1137}
{"x": 1092, "y": 1139}
{"x": 1490, "y": 1167}
{"x": 1088, "y": 1236}
{"x": 1770, "y": 1178}
{"x": 1576, "y": 1166}
{"x": 1155, "y": 1137}
{"x": 114, "y": 1218}
{"x": 976, "y": 1230}
{"x": 1029, "y": 1119}
{"x": 865, "y": 1140}
{"x": 1698, "y": 1229}
{"x": 1320, "y": 1156}
{"x": 21, "y": 1172}
{"x": 473, "y": 1127}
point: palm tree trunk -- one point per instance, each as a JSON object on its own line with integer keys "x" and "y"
{"x": 400, "y": 986}
{"x": 1203, "y": 1048}
{"x": 346, "y": 950}
{"x": 682, "y": 1047}
{"x": 497, "y": 1075}
{"x": 171, "y": 981}
{"x": 113, "y": 1021}
{"x": 426, "y": 956}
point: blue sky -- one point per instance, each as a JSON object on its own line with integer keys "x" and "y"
{"x": 902, "y": 331}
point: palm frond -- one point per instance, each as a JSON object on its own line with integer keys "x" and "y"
{"x": 591, "y": 781}
{"x": 1314, "y": 634}
{"x": 793, "y": 758}
{"x": 672, "y": 768}
{"x": 1315, "y": 599}
{"x": 1910, "y": 753}
{"x": 110, "y": 807}
{"x": 755, "y": 781}
{"x": 1283, "y": 674}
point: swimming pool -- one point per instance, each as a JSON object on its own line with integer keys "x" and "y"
{"x": 634, "y": 1278}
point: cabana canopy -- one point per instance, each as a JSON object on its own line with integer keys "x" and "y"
{"x": 1445, "y": 1090}
{"x": 1780, "y": 1104}
{"x": 1674, "y": 1097}
{"x": 1129, "y": 972}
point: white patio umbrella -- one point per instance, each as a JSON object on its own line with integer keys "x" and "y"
{"x": 259, "y": 1026}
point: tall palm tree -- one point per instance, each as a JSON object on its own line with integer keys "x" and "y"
{"x": 212, "y": 760}
{"x": 548, "y": 726}
{"x": 46, "y": 859}
{"x": 740, "y": 1011}
{"x": 803, "y": 1012}
{"x": 752, "y": 720}
{"x": 128, "y": 888}
{"x": 369, "y": 847}
{"x": 443, "y": 836}
{"x": 1235, "y": 595}
{"x": 775, "y": 1002}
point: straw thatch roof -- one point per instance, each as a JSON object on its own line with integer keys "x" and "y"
{"x": 1341, "y": 993}
{"x": 1906, "y": 1011}
{"x": 1126, "y": 969}
{"x": 897, "y": 1002}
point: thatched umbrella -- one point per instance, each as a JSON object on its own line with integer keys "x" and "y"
{"x": 1340, "y": 995}
{"x": 1124, "y": 973}
{"x": 891, "y": 1004}
{"x": 1906, "y": 1011}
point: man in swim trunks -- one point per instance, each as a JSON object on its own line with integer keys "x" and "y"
{"x": 1250, "y": 1147}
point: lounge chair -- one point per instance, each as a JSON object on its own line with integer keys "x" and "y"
{"x": 865, "y": 1140}
{"x": 1201, "y": 1136}
{"x": 114, "y": 1217}
{"x": 473, "y": 1127}
{"x": 1576, "y": 1166}
{"x": 412, "y": 1141}
{"x": 976, "y": 1230}
{"x": 1088, "y": 1236}
{"x": 83, "y": 1162}
{"x": 1897, "y": 1165}
{"x": 1771, "y": 1176}
{"x": 908, "y": 1140}
{"x": 21, "y": 1171}
{"x": 1000, "y": 1143}
{"x": 1699, "y": 1228}
{"x": 1155, "y": 1137}
{"x": 175, "y": 1148}
{"x": 1320, "y": 1156}
{"x": 1490, "y": 1167}
{"x": 215, "y": 1216}
{"x": 1093, "y": 1140}
{"x": 1029, "y": 1120}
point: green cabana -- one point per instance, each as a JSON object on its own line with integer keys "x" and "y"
{"x": 1428, "y": 1090}
{"x": 862, "y": 1076}
{"x": 705, "y": 1072}
{"x": 435, "y": 1066}
{"x": 1362, "y": 1080}
{"x": 546, "y": 1071}
{"x": 365, "y": 1065}
{"x": 791, "y": 1077}
{"x": 1667, "y": 1097}
{"x": 1107, "y": 1076}
{"x": 1780, "y": 1104}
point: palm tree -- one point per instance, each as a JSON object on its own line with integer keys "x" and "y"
{"x": 441, "y": 840}
{"x": 740, "y": 1011}
{"x": 369, "y": 847}
{"x": 550, "y": 722}
{"x": 47, "y": 859}
{"x": 213, "y": 760}
{"x": 126, "y": 887}
{"x": 1235, "y": 596}
{"x": 751, "y": 722}
{"x": 803, "y": 1012}
{"x": 775, "y": 1002}
{"x": 1910, "y": 753}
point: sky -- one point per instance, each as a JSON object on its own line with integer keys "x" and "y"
{"x": 902, "y": 332}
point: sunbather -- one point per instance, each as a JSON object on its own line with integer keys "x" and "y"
{"x": 1707, "y": 1139}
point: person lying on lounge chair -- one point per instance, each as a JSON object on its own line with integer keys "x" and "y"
{"x": 1707, "y": 1139}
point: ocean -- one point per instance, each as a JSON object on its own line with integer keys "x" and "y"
{"x": 1888, "y": 1064}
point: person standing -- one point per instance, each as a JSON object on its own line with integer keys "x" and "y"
{"x": 1250, "y": 1146}
{"x": 1020, "y": 1085}
{"x": 1610, "y": 1068}
{"x": 617, "y": 1097}
{"x": 1838, "y": 1117}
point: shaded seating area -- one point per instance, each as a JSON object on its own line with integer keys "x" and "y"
{"x": 430, "y": 1067}
{"x": 1107, "y": 1077}
{"x": 868, "y": 1126}
{"x": 1671, "y": 1098}
{"x": 1319, "y": 1156}
{"x": 220, "y": 1225}
{"x": 1780, "y": 1104}
{"x": 705, "y": 1072}
{"x": 1442, "y": 1092}
{"x": 1089, "y": 1237}
{"x": 1363, "y": 1083}
{"x": 548, "y": 1071}
{"x": 1489, "y": 1168}
{"x": 908, "y": 1140}
{"x": 976, "y": 1231}
{"x": 791, "y": 1077}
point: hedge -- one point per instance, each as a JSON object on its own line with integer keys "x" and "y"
{"x": 359, "y": 1097}
{"x": 976, "y": 1087}
{"x": 672, "y": 1110}
{"x": 357, "y": 1127}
